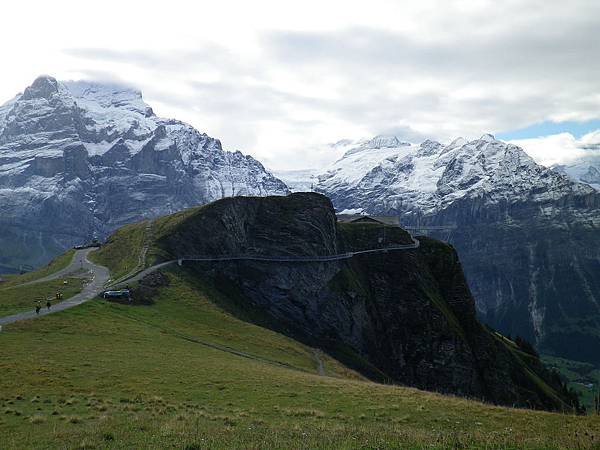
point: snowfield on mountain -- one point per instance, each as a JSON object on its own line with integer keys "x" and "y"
{"x": 385, "y": 175}
{"x": 527, "y": 235}
{"x": 88, "y": 157}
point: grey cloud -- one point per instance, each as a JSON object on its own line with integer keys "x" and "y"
{"x": 526, "y": 71}
{"x": 404, "y": 133}
{"x": 514, "y": 64}
{"x": 567, "y": 51}
{"x": 206, "y": 55}
{"x": 104, "y": 76}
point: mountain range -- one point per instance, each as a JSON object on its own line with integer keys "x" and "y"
{"x": 527, "y": 235}
{"x": 585, "y": 170}
{"x": 78, "y": 159}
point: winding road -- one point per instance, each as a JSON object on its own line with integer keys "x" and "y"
{"x": 78, "y": 262}
{"x": 100, "y": 274}
{"x": 99, "y": 277}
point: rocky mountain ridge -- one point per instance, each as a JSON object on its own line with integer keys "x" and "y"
{"x": 402, "y": 316}
{"x": 78, "y": 159}
{"x": 425, "y": 179}
{"x": 583, "y": 170}
{"x": 527, "y": 235}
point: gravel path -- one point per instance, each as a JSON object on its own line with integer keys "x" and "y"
{"x": 319, "y": 362}
{"x": 77, "y": 263}
{"x": 99, "y": 277}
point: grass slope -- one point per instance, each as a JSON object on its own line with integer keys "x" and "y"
{"x": 182, "y": 373}
{"x": 121, "y": 253}
{"x": 193, "y": 230}
{"x": 165, "y": 225}
{"x": 23, "y": 298}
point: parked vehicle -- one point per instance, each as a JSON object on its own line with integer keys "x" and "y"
{"x": 122, "y": 293}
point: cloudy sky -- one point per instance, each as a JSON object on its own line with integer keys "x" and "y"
{"x": 280, "y": 80}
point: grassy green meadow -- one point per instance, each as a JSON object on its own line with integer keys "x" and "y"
{"x": 183, "y": 373}
{"x": 121, "y": 253}
{"x": 22, "y": 298}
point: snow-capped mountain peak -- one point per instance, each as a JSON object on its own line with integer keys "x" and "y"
{"x": 458, "y": 142}
{"x": 97, "y": 153}
{"x": 381, "y": 142}
{"x": 43, "y": 87}
{"x": 429, "y": 177}
{"x": 487, "y": 138}
{"x": 429, "y": 147}
{"x": 527, "y": 235}
{"x": 385, "y": 141}
{"x": 108, "y": 96}
{"x": 584, "y": 164}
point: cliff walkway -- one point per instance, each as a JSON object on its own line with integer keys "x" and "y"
{"x": 270, "y": 258}
{"x": 99, "y": 279}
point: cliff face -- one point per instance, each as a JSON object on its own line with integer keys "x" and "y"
{"x": 402, "y": 316}
{"x": 533, "y": 269}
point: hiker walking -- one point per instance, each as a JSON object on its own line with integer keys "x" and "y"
{"x": 38, "y": 307}
{"x": 48, "y": 304}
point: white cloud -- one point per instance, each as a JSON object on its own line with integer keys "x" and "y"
{"x": 561, "y": 148}
{"x": 279, "y": 79}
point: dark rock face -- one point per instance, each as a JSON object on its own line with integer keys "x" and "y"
{"x": 535, "y": 276}
{"x": 79, "y": 159}
{"x": 405, "y": 316}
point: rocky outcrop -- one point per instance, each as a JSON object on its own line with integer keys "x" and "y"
{"x": 78, "y": 159}
{"x": 405, "y": 317}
